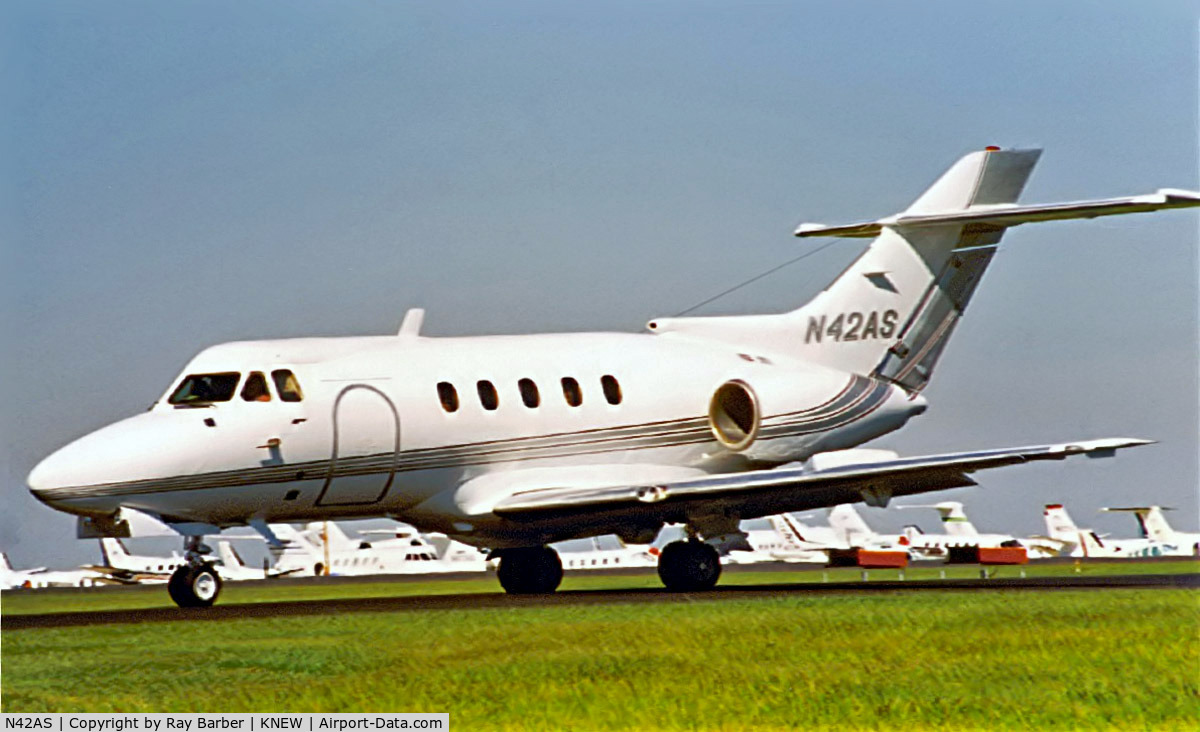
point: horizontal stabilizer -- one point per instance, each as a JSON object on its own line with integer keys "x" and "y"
{"x": 1001, "y": 216}
{"x": 1136, "y": 509}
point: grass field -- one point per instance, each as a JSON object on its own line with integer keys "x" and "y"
{"x": 1067, "y": 659}
{"x": 148, "y": 596}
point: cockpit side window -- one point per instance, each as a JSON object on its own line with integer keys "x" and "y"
{"x": 287, "y": 385}
{"x": 205, "y": 388}
{"x": 255, "y": 389}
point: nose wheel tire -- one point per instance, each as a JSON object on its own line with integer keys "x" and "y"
{"x": 530, "y": 571}
{"x": 689, "y": 566}
{"x": 194, "y": 585}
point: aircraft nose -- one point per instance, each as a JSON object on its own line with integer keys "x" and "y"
{"x": 46, "y": 475}
{"x": 117, "y": 453}
{"x": 62, "y": 469}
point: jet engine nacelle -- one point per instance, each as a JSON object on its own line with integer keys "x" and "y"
{"x": 734, "y": 415}
{"x": 739, "y": 406}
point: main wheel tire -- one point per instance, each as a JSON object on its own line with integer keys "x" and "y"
{"x": 194, "y": 586}
{"x": 530, "y": 571}
{"x": 689, "y": 566}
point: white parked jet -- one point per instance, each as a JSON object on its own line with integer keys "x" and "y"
{"x": 40, "y": 577}
{"x": 960, "y": 532}
{"x": 1087, "y": 543}
{"x": 1154, "y": 526}
{"x": 514, "y": 442}
{"x": 121, "y": 566}
{"x": 607, "y": 554}
{"x": 785, "y": 541}
{"x": 233, "y": 568}
{"x": 324, "y": 549}
{"x": 791, "y": 540}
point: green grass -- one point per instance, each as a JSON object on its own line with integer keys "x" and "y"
{"x": 147, "y": 596}
{"x": 1068, "y": 659}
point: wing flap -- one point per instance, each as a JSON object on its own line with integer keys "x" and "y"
{"x": 762, "y": 492}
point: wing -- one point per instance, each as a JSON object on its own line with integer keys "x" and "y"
{"x": 789, "y": 488}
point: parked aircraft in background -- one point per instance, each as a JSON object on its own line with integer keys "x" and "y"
{"x": 121, "y": 566}
{"x": 322, "y": 548}
{"x": 457, "y": 556}
{"x": 511, "y": 443}
{"x": 792, "y": 540}
{"x": 233, "y": 568}
{"x": 853, "y": 532}
{"x": 1154, "y": 526}
{"x": 781, "y": 542}
{"x": 40, "y": 577}
{"x": 960, "y": 532}
{"x": 607, "y": 552}
{"x": 451, "y": 556}
{"x": 1087, "y": 543}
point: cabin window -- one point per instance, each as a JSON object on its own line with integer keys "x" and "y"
{"x": 529, "y": 393}
{"x": 571, "y": 391}
{"x": 612, "y": 390}
{"x": 286, "y": 385}
{"x": 487, "y": 395}
{"x": 255, "y": 389}
{"x": 205, "y": 388}
{"x": 448, "y": 395}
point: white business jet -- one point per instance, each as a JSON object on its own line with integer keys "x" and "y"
{"x": 1154, "y": 526}
{"x": 40, "y": 577}
{"x": 960, "y": 532}
{"x": 514, "y": 442}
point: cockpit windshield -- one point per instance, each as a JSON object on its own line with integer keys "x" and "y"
{"x": 205, "y": 388}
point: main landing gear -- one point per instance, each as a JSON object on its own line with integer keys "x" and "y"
{"x": 683, "y": 566}
{"x": 529, "y": 570}
{"x": 689, "y": 566}
{"x": 196, "y": 582}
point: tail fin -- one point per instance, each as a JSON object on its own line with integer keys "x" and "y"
{"x": 229, "y": 556}
{"x": 113, "y": 552}
{"x": 788, "y": 528}
{"x": 320, "y": 532}
{"x": 954, "y": 518}
{"x": 850, "y": 527}
{"x": 891, "y": 312}
{"x": 5, "y": 565}
{"x": 1059, "y": 524}
{"x": 1152, "y": 522}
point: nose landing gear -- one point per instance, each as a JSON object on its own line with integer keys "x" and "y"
{"x": 195, "y": 583}
{"x": 194, "y": 586}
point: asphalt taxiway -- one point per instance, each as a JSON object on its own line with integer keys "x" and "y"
{"x": 492, "y": 600}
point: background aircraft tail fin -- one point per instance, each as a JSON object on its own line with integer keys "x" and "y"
{"x": 954, "y": 517}
{"x": 1152, "y": 521}
{"x": 1059, "y": 524}
{"x": 229, "y": 556}
{"x": 112, "y": 552}
{"x": 849, "y": 525}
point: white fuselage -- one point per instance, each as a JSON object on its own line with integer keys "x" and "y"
{"x": 373, "y": 436}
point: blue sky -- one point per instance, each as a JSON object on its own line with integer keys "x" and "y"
{"x": 180, "y": 175}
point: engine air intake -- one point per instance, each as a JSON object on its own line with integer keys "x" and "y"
{"x": 733, "y": 415}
